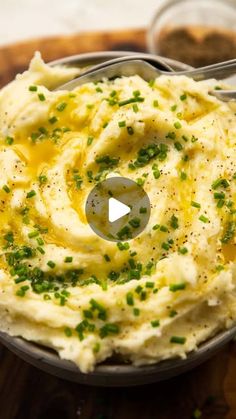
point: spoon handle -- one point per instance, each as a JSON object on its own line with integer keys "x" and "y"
{"x": 219, "y": 71}
{"x": 225, "y": 95}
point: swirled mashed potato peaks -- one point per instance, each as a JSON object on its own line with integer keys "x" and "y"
{"x": 150, "y": 298}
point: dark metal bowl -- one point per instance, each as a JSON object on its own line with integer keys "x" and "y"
{"x": 114, "y": 373}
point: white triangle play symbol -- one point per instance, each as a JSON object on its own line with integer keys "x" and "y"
{"x": 116, "y": 209}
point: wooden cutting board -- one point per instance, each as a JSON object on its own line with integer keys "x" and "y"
{"x": 28, "y": 393}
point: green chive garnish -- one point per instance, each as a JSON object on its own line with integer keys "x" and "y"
{"x": 33, "y": 88}
{"x": 68, "y": 259}
{"x": 177, "y": 125}
{"x": 9, "y": 140}
{"x": 51, "y": 264}
{"x": 6, "y": 189}
{"x": 204, "y": 219}
{"x": 53, "y": 120}
{"x": 61, "y": 106}
{"x": 130, "y": 299}
{"x": 178, "y": 339}
{"x": 195, "y": 204}
{"x": 90, "y": 140}
{"x": 41, "y": 97}
{"x": 177, "y": 287}
{"x": 31, "y": 194}
{"x": 155, "y": 323}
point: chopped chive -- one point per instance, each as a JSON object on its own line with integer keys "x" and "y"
{"x": 220, "y": 182}
{"x": 131, "y": 100}
{"x": 197, "y": 414}
{"x": 177, "y": 287}
{"x": 109, "y": 329}
{"x": 6, "y": 188}
{"x": 149, "y": 284}
{"x": 171, "y": 135}
{"x": 41, "y": 250}
{"x": 130, "y": 130}
{"x": 156, "y": 226}
{"x": 107, "y": 258}
{"x": 183, "y": 175}
{"x": 229, "y": 232}
{"x": 99, "y": 90}
{"x": 135, "y": 108}
{"x": 177, "y": 125}
{"x": 122, "y": 124}
{"x": 68, "y": 259}
{"x": 178, "y": 146}
{"x": 33, "y": 234}
{"x": 41, "y": 97}
{"x": 155, "y": 323}
{"x": 123, "y": 246}
{"x": 195, "y": 204}
{"x": 174, "y": 222}
{"x": 51, "y": 264}
{"x": 183, "y": 97}
{"x": 173, "y": 313}
{"x": 33, "y": 88}
{"x": 183, "y": 250}
{"x": 136, "y": 311}
{"x": 142, "y": 210}
{"x": 140, "y": 181}
{"x": 53, "y": 120}
{"x": 173, "y": 108}
{"x": 61, "y": 106}
{"x": 42, "y": 179}
{"x": 68, "y": 332}
{"x": 96, "y": 347}
{"x": 9, "y": 140}
{"x": 156, "y": 173}
{"x": 165, "y": 246}
{"x": 219, "y": 195}
{"x": 135, "y": 222}
{"x": 194, "y": 139}
{"x": 151, "y": 82}
{"x": 136, "y": 93}
{"x": 113, "y": 93}
{"x": 130, "y": 299}
{"x": 90, "y": 140}
{"x": 31, "y": 194}
{"x": 204, "y": 219}
{"x": 178, "y": 339}
{"x": 155, "y": 103}
{"x": 163, "y": 228}
{"x": 220, "y": 203}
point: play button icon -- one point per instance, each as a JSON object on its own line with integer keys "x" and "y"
{"x": 117, "y": 209}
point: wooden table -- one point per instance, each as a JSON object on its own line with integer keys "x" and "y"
{"x": 28, "y": 393}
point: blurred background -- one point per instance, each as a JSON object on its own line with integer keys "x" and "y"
{"x": 21, "y": 19}
{"x": 196, "y": 32}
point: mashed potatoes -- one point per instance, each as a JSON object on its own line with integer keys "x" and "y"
{"x": 151, "y": 298}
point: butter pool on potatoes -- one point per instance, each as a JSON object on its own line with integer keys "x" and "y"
{"x": 154, "y": 297}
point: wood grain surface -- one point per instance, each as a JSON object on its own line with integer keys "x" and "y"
{"x": 28, "y": 393}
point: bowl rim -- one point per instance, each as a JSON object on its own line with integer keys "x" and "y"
{"x": 114, "y": 375}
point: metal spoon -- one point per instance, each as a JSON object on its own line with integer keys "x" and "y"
{"x": 150, "y": 69}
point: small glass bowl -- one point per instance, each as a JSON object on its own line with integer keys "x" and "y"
{"x": 196, "y": 32}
